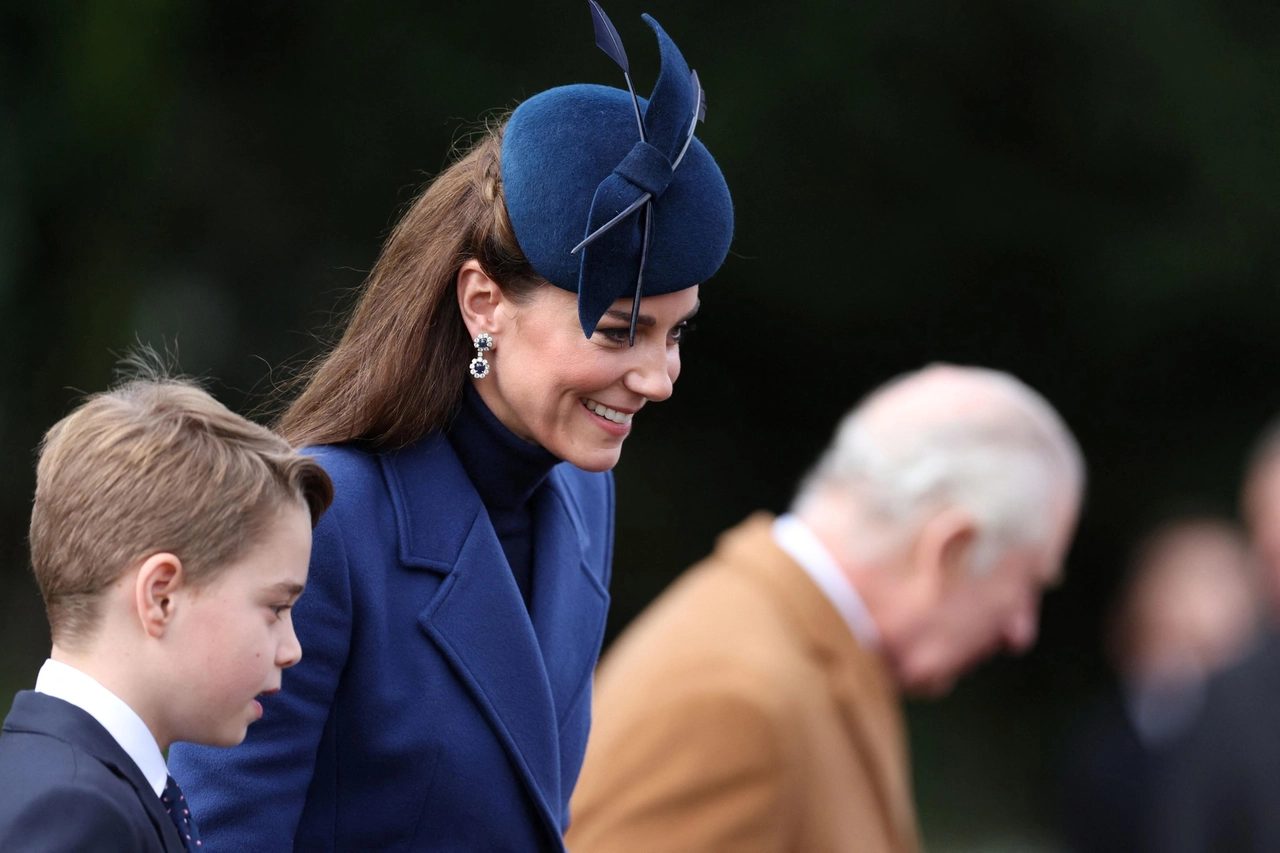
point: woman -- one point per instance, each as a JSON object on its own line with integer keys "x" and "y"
{"x": 457, "y": 596}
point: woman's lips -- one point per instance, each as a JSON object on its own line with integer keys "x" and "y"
{"x": 610, "y": 420}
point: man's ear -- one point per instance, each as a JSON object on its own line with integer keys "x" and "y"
{"x": 159, "y": 578}
{"x": 944, "y": 550}
{"x": 478, "y": 298}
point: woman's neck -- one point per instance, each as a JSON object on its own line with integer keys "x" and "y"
{"x": 505, "y": 469}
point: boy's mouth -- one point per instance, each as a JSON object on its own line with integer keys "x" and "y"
{"x": 258, "y": 705}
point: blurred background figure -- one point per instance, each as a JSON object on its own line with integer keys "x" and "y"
{"x": 755, "y": 705}
{"x": 1219, "y": 790}
{"x": 1188, "y": 609}
{"x": 1260, "y": 504}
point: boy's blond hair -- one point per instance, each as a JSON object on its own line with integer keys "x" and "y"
{"x": 154, "y": 465}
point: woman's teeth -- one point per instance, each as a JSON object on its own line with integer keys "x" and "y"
{"x": 606, "y": 412}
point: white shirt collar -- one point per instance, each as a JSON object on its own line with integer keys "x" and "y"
{"x": 69, "y": 684}
{"x": 799, "y": 542}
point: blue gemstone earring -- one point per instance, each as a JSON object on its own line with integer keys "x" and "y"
{"x": 480, "y": 365}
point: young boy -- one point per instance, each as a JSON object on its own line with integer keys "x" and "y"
{"x": 169, "y": 538}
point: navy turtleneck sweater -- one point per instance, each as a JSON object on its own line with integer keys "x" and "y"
{"x": 506, "y": 470}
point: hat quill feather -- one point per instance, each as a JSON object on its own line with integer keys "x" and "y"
{"x": 608, "y": 40}
{"x": 644, "y": 257}
{"x": 626, "y": 211}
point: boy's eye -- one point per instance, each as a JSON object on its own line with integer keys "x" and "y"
{"x": 278, "y": 609}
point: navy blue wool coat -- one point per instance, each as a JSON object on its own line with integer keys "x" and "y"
{"x": 431, "y": 710}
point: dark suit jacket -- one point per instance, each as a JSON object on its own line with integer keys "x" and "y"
{"x": 431, "y": 710}
{"x": 1220, "y": 791}
{"x": 1105, "y": 794}
{"x": 66, "y": 785}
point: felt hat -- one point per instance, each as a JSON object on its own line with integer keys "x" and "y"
{"x": 612, "y": 195}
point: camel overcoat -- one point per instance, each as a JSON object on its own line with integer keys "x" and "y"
{"x": 739, "y": 713}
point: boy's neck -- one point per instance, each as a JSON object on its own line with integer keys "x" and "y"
{"x": 104, "y": 670}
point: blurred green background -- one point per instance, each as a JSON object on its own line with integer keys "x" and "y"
{"x": 1083, "y": 193}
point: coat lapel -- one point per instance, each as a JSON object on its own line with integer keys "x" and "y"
{"x": 478, "y": 618}
{"x": 36, "y": 712}
{"x": 569, "y": 604}
{"x": 873, "y": 716}
{"x": 858, "y": 681}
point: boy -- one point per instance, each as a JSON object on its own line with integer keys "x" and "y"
{"x": 169, "y": 538}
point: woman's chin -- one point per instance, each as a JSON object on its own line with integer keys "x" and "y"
{"x": 595, "y": 461}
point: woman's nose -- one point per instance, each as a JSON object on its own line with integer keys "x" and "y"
{"x": 655, "y": 374}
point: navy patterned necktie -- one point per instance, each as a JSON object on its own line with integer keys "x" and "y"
{"x": 180, "y": 813}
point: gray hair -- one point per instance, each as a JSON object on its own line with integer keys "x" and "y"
{"x": 1003, "y": 455}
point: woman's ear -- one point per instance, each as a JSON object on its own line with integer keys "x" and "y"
{"x": 478, "y": 298}
{"x": 159, "y": 578}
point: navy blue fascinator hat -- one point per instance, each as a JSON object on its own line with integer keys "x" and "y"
{"x": 611, "y": 195}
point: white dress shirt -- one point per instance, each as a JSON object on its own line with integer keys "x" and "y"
{"x": 799, "y": 542}
{"x": 69, "y": 684}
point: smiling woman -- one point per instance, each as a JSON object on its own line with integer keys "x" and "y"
{"x": 574, "y": 396}
{"x": 526, "y": 307}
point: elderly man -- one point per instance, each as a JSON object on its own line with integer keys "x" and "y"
{"x": 755, "y": 705}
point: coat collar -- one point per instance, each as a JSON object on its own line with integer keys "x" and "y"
{"x": 37, "y": 713}
{"x": 523, "y": 670}
{"x": 860, "y": 683}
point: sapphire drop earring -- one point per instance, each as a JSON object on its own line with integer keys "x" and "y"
{"x": 480, "y": 365}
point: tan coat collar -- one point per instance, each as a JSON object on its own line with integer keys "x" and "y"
{"x": 860, "y": 683}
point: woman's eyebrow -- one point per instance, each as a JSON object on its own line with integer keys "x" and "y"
{"x": 647, "y": 319}
{"x": 625, "y": 317}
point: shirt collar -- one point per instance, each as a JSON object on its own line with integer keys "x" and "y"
{"x": 795, "y": 538}
{"x": 69, "y": 684}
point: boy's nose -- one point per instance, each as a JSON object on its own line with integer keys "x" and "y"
{"x": 290, "y": 650}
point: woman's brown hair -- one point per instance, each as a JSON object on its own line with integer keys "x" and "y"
{"x": 398, "y": 371}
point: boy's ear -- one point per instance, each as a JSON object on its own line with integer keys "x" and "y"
{"x": 478, "y": 299}
{"x": 159, "y": 577}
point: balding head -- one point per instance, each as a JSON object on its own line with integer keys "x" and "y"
{"x": 944, "y": 436}
{"x": 948, "y": 497}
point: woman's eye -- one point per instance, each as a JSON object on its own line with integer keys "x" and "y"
{"x": 681, "y": 331}
{"x": 615, "y": 335}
